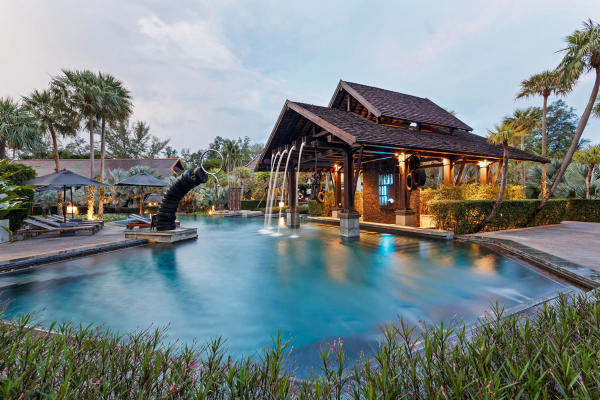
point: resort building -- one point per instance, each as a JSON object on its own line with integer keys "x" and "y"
{"x": 164, "y": 167}
{"x": 389, "y": 138}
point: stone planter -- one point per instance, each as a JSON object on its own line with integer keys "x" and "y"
{"x": 4, "y": 236}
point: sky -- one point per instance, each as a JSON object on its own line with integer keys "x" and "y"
{"x": 198, "y": 69}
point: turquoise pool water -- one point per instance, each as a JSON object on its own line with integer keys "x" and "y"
{"x": 245, "y": 286}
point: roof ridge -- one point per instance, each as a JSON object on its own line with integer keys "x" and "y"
{"x": 385, "y": 90}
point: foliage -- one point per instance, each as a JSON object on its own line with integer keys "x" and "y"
{"x": 315, "y": 208}
{"x": 328, "y": 204}
{"x": 548, "y": 354}
{"x": 462, "y": 216}
{"x": 250, "y": 204}
{"x": 17, "y": 129}
{"x": 114, "y": 217}
{"x": 358, "y": 202}
{"x": 15, "y": 200}
{"x": 532, "y": 190}
{"x": 134, "y": 140}
{"x": 583, "y": 210}
{"x": 474, "y": 191}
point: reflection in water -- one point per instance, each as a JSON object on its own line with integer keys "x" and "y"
{"x": 244, "y": 286}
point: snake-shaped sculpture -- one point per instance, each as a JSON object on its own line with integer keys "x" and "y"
{"x": 165, "y": 219}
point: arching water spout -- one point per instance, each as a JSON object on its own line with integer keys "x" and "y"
{"x": 273, "y": 160}
{"x": 283, "y": 189}
{"x": 270, "y": 205}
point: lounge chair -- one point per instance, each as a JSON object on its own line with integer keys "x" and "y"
{"x": 69, "y": 224}
{"x": 33, "y": 226}
{"x": 58, "y": 218}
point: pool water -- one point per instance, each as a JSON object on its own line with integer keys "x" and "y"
{"x": 310, "y": 285}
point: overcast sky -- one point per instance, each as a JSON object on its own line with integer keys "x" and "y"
{"x": 198, "y": 69}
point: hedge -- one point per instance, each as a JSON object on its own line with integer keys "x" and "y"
{"x": 461, "y": 216}
{"x": 583, "y": 210}
{"x": 315, "y": 208}
{"x": 251, "y": 204}
{"x": 473, "y": 191}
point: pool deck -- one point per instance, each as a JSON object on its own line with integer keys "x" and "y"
{"x": 572, "y": 246}
{"x": 389, "y": 228}
{"x": 46, "y": 248}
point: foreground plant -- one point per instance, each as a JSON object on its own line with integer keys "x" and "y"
{"x": 553, "y": 354}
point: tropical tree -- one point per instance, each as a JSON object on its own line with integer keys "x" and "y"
{"x": 17, "y": 129}
{"x": 133, "y": 141}
{"x": 589, "y": 156}
{"x": 582, "y": 55}
{"x": 82, "y": 93}
{"x": 528, "y": 119}
{"x": 114, "y": 105}
{"x": 543, "y": 84}
{"x": 502, "y": 134}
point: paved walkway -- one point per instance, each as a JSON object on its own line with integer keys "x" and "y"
{"x": 45, "y": 245}
{"x": 577, "y": 242}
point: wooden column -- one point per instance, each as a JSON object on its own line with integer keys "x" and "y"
{"x": 348, "y": 175}
{"x": 483, "y": 172}
{"x": 402, "y": 192}
{"x": 337, "y": 186}
{"x": 448, "y": 171}
{"x": 291, "y": 184}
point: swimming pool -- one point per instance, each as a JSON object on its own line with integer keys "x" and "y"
{"x": 313, "y": 287}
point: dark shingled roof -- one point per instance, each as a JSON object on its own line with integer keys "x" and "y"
{"x": 407, "y": 107}
{"x": 368, "y": 132}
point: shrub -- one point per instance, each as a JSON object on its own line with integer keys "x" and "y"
{"x": 583, "y": 210}
{"x": 315, "y": 208}
{"x": 303, "y": 209}
{"x": 543, "y": 355}
{"x": 474, "y": 191}
{"x": 18, "y": 173}
{"x": 328, "y": 204}
{"x": 461, "y": 216}
{"x": 250, "y": 204}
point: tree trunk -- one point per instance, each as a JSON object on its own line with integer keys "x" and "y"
{"x": 543, "y": 181}
{"x": 578, "y": 132}
{"x": 498, "y": 202}
{"x": 90, "y": 211}
{"x": 588, "y": 181}
{"x": 523, "y": 162}
{"x": 102, "y": 147}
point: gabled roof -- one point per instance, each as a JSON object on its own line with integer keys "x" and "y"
{"x": 387, "y": 103}
{"x": 353, "y": 129}
{"x": 163, "y": 166}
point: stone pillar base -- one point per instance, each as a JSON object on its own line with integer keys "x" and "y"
{"x": 292, "y": 219}
{"x": 335, "y": 212}
{"x": 349, "y": 224}
{"x": 406, "y": 217}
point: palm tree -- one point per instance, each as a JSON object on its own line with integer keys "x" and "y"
{"x": 503, "y": 134}
{"x": 528, "y": 119}
{"x": 82, "y": 91}
{"x": 17, "y": 128}
{"x": 114, "y": 106}
{"x": 589, "y": 156}
{"x": 582, "y": 55}
{"x": 543, "y": 84}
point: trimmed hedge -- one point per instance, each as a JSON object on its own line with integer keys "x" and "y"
{"x": 583, "y": 210}
{"x": 315, "y": 209}
{"x": 472, "y": 191}
{"x": 250, "y": 204}
{"x": 461, "y": 216}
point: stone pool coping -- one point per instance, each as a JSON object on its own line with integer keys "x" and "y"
{"x": 66, "y": 254}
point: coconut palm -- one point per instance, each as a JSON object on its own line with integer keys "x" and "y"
{"x": 502, "y": 134}
{"x": 528, "y": 119}
{"x": 114, "y": 106}
{"x": 589, "y": 156}
{"x": 582, "y": 55}
{"x": 83, "y": 94}
{"x": 17, "y": 129}
{"x": 543, "y": 84}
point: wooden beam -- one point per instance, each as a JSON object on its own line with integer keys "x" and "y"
{"x": 346, "y": 137}
{"x": 459, "y": 176}
{"x": 497, "y": 172}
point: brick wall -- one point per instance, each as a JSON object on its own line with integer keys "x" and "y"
{"x": 372, "y": 212}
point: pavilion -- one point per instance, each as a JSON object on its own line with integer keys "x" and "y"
{"x": 389, "y": 138}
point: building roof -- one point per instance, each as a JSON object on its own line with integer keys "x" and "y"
{"x": 163, "y": 166}
{"x": 387, "y": 103}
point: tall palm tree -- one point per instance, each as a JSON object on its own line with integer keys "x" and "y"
{"x": 543, "y": 84}
{"x": 502, "y": 134}
{"x": 82, "y": 91}
{"x": 114, "y": 106}
{"x": 589, "y": 156}
{"x": 528, "y": 119}
{"x": 582, "y": 55}
{"x": 17, "y": 129}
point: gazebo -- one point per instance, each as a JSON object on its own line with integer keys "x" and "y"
{"x": 388, "y": 137}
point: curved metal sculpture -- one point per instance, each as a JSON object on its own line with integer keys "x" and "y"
{"x": 165, "y": 219}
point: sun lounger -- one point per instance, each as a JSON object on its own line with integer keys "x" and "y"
{"x": 58, "y": 218}
{"x": 32, "y": 226}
